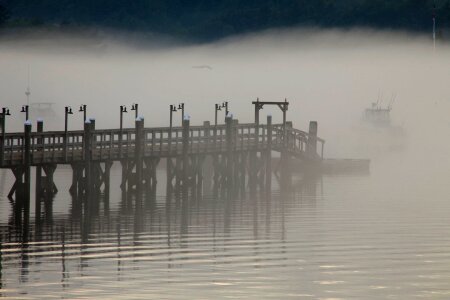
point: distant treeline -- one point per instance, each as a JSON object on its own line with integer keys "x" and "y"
{"x": 212, "y": 19}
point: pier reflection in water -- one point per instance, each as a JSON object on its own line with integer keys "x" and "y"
{"x": 161, "y": 244}
{"x": 319, "y": 238}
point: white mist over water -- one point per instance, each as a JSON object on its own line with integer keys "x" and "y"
{"x": 366, "y": 237}
{"x": 327, "y": 76}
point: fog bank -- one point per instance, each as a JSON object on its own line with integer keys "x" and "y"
{"x": 327, "y": 76}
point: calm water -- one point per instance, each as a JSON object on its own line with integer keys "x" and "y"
{"x": 378, "y": 236}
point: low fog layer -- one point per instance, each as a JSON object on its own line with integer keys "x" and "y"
{"x": 327, "y": 76}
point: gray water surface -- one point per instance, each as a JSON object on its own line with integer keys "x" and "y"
{"x": 369, "y": 236}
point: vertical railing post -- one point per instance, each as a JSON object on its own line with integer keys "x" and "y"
{"x": 87, "y": 157}
{"x": 288, "y": 135}
{"x": 27, "y": 163}
{"x": 185, "y": 151}
{"x": 285, "y": 144}
{"x": 39, "y": 142}
{"x": 323, "y": 144}
{"x": 139, "y": 136}
{"x": 93, "y": 138}
{"x": 229, "y": 153}
{"x": 171, "y": 107}
{"x": 2, "y": 136}
{"x": 312, "y": 140}
{"x": 206, "y": 137}
{"x": 235, "y": 133}
{"x": 67, "y": 111}
{"x": 92, "y": 123}
{"x": 257, "y": 108}
{"x": 269, "y": 156}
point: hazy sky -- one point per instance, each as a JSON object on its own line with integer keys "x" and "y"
{"x": 328, "y": 76}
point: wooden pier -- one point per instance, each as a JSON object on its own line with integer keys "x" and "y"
{"x": 236, "y": 156}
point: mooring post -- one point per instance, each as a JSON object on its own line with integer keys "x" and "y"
{"x": 229, "y": 145}
{"x": 107, "y": 174}
{"x": 207, "y": 169}
{"x": 312, "y": 140}
{"x": 286, "y": 176}
{"x": 27, "y": 164}
{"x": 92, "y": 131}
{"x": 87, "y": 157}
{"x": 67, "y": 112}
{"x": 2, "y": 136}
{"x": 285, "y": 127}
{"x": 207, "y": 135}
{"x": 185, "y": 158}
{"x": 269, "y": 156}
{"x": 40, "y": 141}
{"x": 253, "y": 157}
{"x": 139, "y": 154}
{"x": 257, "y": 108}
{"x": 235, "y": 158}
{"x": 321, "y": 153}
{"x": 92, "y": 123}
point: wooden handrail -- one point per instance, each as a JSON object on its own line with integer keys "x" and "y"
{"x": 162, "y": 141}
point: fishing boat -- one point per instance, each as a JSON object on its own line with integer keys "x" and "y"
{"x": 378, "y": 133}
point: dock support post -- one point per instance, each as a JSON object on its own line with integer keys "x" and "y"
{"x": 269, "y": 157}
{"x": 27, "y": 164}
{"x": 75, "y": 179}
{"x": 312, "y": 140}
{"x": 107, "y": 179}
{"x": 39, "y": 129}
{"x": 87, "y": 159}
{"x": 185, "y": 158}
{"x": 229, "y": 159}
{"x": 170, "y": 174}
{"x": 2, "y": 136}
{"x": 124, "y": 163}
{"x": 139, "y": 156}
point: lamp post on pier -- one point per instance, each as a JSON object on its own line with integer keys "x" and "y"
{"x": 83, "y": 109}
{"x": 5, "y": 112}
{"x": 123, "y": 109}
{"x": 173, "y": 108}
{"x": 67, "y": 112}
{"x": 25, "y": 109}
{"x": 225, "y": 105}
{"x": 217, "y": 108}
{"x": 181, "y": 106}
{"x": 135, "y": 107}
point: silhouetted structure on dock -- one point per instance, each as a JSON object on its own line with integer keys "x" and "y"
{"x": 236, "y": 154}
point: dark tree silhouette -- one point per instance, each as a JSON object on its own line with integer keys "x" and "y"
{"x": 206, "y": 19}
{"x": 4, "y": 15}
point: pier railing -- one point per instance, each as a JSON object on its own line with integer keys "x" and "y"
{"x": 59, "y": 147}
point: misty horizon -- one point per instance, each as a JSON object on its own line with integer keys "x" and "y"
{"x": 209, "y": 224}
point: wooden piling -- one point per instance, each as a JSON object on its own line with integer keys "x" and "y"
{"x": 38, "y": 184}
{"x": 312, "y": 140}
{"x": 27, "y": 165}
{"x": 93, "y": 137}
{"x": 234, "y": 150}
{"x": 39, "y": 141}
{"x": 139, "y": 155}
{"x": 185, "y": 158}
{"x": 229, "y": 153}
{"x": 269, "y": 156}
{"x": 107, "y": 179}
{"x": 2, "y": 136}
{"x": 87, "y": 159}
